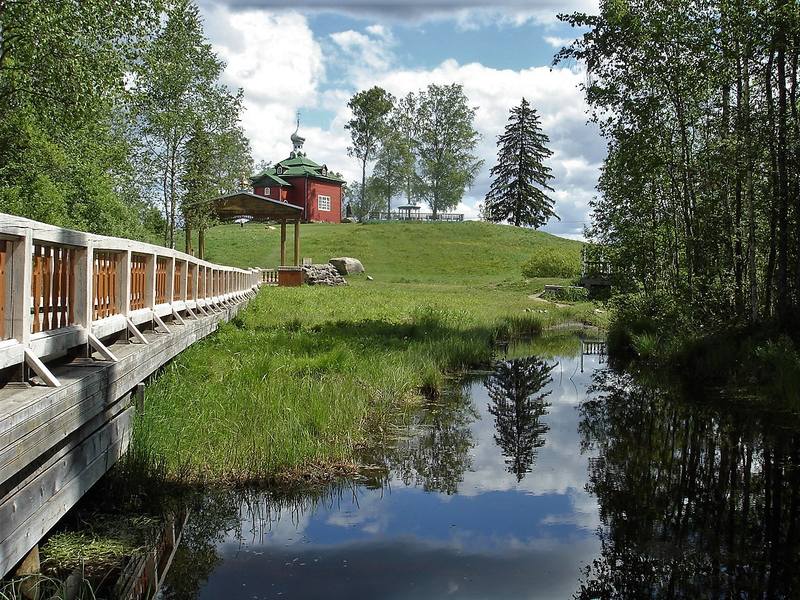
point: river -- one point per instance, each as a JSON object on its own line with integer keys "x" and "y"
{"x": 551, "y": 476}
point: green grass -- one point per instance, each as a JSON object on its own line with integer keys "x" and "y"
{"x": 306, "y": 378}
{"x": 468, "y": 252}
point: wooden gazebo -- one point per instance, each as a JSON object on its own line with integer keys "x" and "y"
{"x": 259, "y": 209}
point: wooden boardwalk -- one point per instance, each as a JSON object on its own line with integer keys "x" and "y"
{"x": 85, "y": 320}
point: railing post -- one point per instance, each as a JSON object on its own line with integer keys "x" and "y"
{"x": 124, "y": 284}
{"x": 21, "y": 277}
{"x": 84, "y": 288}
{"x": 150, "y": 281}
{"x": 170, "y": 283}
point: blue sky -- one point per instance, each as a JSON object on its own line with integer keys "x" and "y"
{"x": 315, "y": 55}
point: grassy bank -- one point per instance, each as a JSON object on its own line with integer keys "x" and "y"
{"x": 437, "y": 253}
{"x": 307, "y": 376}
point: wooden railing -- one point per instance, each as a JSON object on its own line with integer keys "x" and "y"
{"x": 269, "y": 276}
{"x": 60, "y": 289}
{"x": 414, "y": 216}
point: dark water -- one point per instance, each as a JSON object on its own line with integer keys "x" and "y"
{"x": 537, "y": 481}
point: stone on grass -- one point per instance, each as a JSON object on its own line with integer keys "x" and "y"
{"x": 322, "y": 275}
{"x": 346, "y": 265}
{"x": 370, "y": 278}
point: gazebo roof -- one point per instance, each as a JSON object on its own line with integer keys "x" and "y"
{"x": 258, "y": 208}
{"x": 409, "y": 207}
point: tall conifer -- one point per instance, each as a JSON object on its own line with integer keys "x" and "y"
{"x": 520, "y": 177}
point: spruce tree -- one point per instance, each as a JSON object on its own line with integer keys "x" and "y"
{"x": 519, "y": 179}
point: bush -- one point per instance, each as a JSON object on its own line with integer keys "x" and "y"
{"x": 638, "y": 320}
{"x": 568, "y": 293}
{"x": 549, "y": 262}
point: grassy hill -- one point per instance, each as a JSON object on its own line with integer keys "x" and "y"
{"x": 468, "y": 252}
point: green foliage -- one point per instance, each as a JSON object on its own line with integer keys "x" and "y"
{"x": 553, "y": 262}
{"x": 520, "y": 177}
{"x": 698, "y": 196}
{"x": 445, "y": 144}
{"x": 362, "y": 205}
{"x": 640, "y": 319}
{"x": 178, "y": 98}
{"x": 395, "y": 162}
{"x": 567, "y": 293}
{"x": 778, "y": 365}
{"x": 370, "y": 110}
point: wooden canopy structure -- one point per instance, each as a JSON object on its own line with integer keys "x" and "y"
{"x": 260, "y": 209}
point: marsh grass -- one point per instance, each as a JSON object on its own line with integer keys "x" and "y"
{"x": 45, "y": 588}
{"x": 307, "y": 378}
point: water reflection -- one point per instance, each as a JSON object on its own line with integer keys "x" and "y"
{"x": 536, "y": 481}
{"x": 483, "y": 497}
{"x": 698, "y": 499}
{"x": 435, "y": 451}
{"x": 517, "y": 408}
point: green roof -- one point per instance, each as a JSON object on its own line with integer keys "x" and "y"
{"x": 269, "y": 179}
{"x": 296, "y": 166}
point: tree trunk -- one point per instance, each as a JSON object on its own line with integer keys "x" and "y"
{"x": 769, "y": 277}
{"x": 201, "y": 242}
{"x": 187, "y": 229}
{"x": 363, "y": 186}
{"x": 783, "y": 182}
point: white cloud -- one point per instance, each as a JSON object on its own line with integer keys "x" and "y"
{"x": 557, "y": 42}
{"x": 365, "y": 53}
{"x": 276, "y": 58}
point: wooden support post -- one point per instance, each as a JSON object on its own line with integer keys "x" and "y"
{"x": 283, "y": 242}
{"x": 42, "y": 371}
{"x": 95, "y": 343}
{"x": 135, "y": 331}
{"x": 176, "y": 316}
{"x": 297, "y": 243}
{"x": 160, "y": 323}
{"x": 138, "y": 397}
{"x": 30, "y": 566}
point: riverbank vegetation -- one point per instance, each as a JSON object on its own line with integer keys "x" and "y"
{"x": 306, "y": 378}
{"x": 698, "y": 215}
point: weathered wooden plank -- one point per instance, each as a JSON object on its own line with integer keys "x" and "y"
{"x": 29, "y": 532}
{"x": 21, "y": 502}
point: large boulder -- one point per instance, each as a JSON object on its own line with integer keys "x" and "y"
{"x": 346, "y": 265}
{"x": 322, "y": 275}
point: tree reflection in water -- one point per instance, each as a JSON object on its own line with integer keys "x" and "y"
{"x": 696, "y": 500}
{"x": 517, "y": 407}
{"x": 435, "y": 451}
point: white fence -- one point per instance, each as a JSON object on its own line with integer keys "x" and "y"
{"x": 60, "y": 289}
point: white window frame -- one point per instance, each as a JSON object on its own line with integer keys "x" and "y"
{"x": 266, "y": 191}
{"x": 319, "y": 203}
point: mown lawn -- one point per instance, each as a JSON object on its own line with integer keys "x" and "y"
{"x": 306, "y": 377}
{"x": 438, "y": 253}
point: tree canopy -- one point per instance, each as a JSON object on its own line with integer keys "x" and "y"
{"x": 98, "y": 101}
{"x": 520, "y": 177}
{"x": 699, "y": 196}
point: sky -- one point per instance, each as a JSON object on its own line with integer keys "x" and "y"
{"x": 314, "y": 55}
